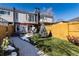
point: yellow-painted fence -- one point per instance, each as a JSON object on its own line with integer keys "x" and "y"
{"x": 62, "y": 29}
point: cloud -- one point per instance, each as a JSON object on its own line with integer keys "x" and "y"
{"x": 47, "y": 11}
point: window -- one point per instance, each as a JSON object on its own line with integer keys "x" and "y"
{"x": 4, "y": 12}
{"x": 41, "y": 17}
{"x": 27, "y": 17}
{"x": 31, "y": 17}
{"x": 8, "y": 13}
{"x": 16, "y": 16}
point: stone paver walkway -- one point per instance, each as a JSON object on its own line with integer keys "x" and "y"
{"x": 25, "y": 48}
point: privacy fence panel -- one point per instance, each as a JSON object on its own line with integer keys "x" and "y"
{"x": 74, "y": 29}
{"x": 58, "y": 30}
{"x": 4, "y": 29}
{"x": 63, "y": 29}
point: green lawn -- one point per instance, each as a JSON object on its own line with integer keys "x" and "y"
{"x": 56, "y": 47}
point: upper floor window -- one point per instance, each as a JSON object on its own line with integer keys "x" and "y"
{"x": 41, "y": 17}
{"x": 27, "y": 16}
{"x": 4, "y": 12}
{"x": 8, "y": 13}
{"x": 31, "y": 17}
{"x": 16, "y": 16}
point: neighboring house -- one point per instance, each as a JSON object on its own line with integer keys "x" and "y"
{"x": 46, "y": 18}
{"x": 22, "y": 20}
{"x": 74, "y": 19}
{"x": 6, "y": 16}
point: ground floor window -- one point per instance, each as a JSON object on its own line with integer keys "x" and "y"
{"x": 25, "y": 28}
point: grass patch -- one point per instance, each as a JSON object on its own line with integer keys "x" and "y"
{"x": 56, "y": 47}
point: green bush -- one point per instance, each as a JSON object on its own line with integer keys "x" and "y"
{"x": 1, "y": 52}
{"x": 35, "y": 37}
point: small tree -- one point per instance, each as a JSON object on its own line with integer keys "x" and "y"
{"x": 50, "y": 34}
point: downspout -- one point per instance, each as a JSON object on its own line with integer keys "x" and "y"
{"x": 14, "y": 16}
{"x": 37, "y": 11}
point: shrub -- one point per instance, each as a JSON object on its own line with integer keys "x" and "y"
{"x": 73, "y": 39}
{"x": 35, "y": 37}
{"x": 1, "y": 52}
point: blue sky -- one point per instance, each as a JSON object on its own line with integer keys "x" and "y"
{"x": 63, "y": 11}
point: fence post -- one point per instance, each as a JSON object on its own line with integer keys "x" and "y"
{"x": 68, "y": 28}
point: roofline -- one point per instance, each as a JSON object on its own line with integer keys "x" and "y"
{"x": 20, "y": 11}
{"x": 16, "y": 10}
{"x": 60, "y": 21}
{"x": 46, "y": 15}
{"x": 48, "y": 23}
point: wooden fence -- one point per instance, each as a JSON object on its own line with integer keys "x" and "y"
{"x": 4, "y": 29}
{"x": 62, "y": 29}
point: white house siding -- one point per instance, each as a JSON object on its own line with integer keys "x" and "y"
{"x": 46, "y": 19}
{"x": 7, "y": 17}
{"x": 22, "y": 18}
{"x": 32, "y": 18}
